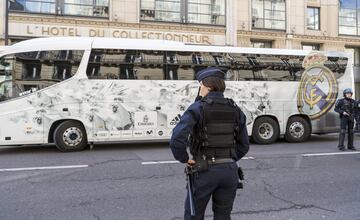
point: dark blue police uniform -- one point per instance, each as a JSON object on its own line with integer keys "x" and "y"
{"x": 357, "y": 114}
{"x": 220, "y": 180}
{"x": 346, "y": 121}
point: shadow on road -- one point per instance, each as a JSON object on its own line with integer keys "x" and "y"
{"x": 31, "y": 149}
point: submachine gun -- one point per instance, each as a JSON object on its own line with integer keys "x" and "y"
{"x": 351, "y": 109}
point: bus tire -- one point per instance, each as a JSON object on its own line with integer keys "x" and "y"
{"x": 70, "y": 136}
{"x": 298, "y": 129}
{"x": 265, "y": 130}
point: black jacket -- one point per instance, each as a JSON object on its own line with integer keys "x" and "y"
{"x": 345, "y": 105}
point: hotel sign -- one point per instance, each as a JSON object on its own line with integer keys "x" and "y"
{"x": 39, "y": 30}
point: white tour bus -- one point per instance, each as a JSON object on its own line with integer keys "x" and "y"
{"x": 75, "y": 91}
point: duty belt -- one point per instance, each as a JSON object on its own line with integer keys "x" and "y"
{"x": 220, "y": 160}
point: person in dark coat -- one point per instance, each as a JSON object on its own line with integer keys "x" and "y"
{"x": 217, "y": 128}
{"x": 345, "y": 108}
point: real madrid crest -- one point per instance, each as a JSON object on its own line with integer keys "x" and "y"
{"x": 318, "y": 88}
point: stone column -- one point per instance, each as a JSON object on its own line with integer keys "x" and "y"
{"x": 231, "y": 20}
{"x": 289, "y": 28}
{"x": 2, "y": 22}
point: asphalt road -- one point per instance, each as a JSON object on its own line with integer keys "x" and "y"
{"x": 111, "y": 182}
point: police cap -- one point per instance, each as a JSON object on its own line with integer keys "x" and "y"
{"x": 211, "y": 71}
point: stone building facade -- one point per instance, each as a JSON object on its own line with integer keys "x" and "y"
{"x": 300, "y": 24}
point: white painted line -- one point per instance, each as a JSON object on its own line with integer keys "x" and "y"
{"x": 158, "y": 162}
{"x": 248, "y": 158}
{"x": 329, "y": 154}
{"x": 43, "y": 168}
{"x": 174, "y": 161}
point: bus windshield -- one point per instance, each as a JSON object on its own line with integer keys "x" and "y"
{"x": 5, "y": 78}
{"x": 24, "y": 73}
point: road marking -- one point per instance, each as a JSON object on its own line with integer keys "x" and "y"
{"x": 175, "y": 162}
{"x": 248, "y": 158}
{"x": 159, "y": 162}
{"x": 43, "y": 168}
{"x": 329, "y": 154}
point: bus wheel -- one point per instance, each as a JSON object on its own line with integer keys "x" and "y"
{"x": 297, "y": 130}
{"x": 70, "y": 136}
{"x": 265, "y": 130}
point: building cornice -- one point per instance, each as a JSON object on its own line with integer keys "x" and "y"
{"x": 259, "y": 34}
{"x": 93, "y": 22}
{"x": 283, "y": 35}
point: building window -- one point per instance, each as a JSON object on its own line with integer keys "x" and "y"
{"x": 156, "y": 10}
{"x": 35, "y": 6}
{"x": 206, "y": 12}
{"x": 269, "y": 14}
{"x": 93, "y": 8}
{"x": 261, "y": 44}
{"x": 313, "y": 18}
{"x": 307, "y": 46}
{"x": 184, "y": 11}
{"x": 348, "y": 17}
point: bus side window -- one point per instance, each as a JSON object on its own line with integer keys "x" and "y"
{"x": 127, "y": 66}
{"x": 270, "y": 67}
{"x": 341, "y": 64}
{"x": 28, "y": 64}
{"x": 93, "y": 68}
{"x": 6, "y": 77}
{"x": 60, "y": 65}
{"x": 127, "y": 72}
{"x": 62, "y": 71}
{"x": 296, "y": 69}
{"x": 171, "y": 66}
{"x": 148, "y": 65}
{"x": 241, "y": 67}
{"x": 105, "y": 64}
{"x": 337, "y": 65}
{"x": 202, "y": 60}
{"x": 178, "y": 65}
{"x": 33, "y": 71}
{"x": 220, "y": 60}
{"x": 66, "y": 63}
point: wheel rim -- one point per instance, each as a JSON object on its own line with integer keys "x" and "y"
{"x": 72, "y": 136}
{"x": 266, "y": 131}
{"x": 297, "y": 130}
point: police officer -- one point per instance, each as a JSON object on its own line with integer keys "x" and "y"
{"x": 345, "y": 108}
{"x": 357, "y": 114}
{"x": 220, "y": 138}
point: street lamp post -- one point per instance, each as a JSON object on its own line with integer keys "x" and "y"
{"x": 6, "y": 22}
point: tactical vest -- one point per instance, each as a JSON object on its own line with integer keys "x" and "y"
{"x": 348, "y": 105}
{"x": 217, "y": 132}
